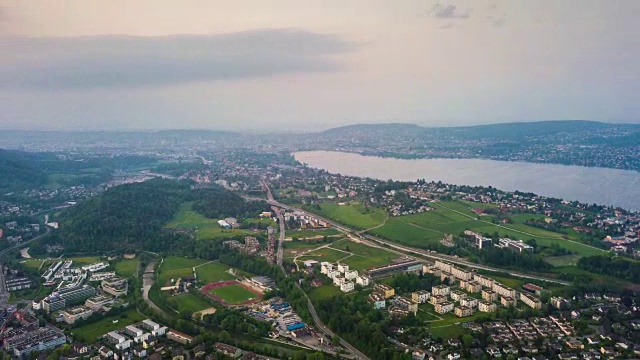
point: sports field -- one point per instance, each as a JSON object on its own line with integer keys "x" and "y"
{"x": 231, "y": 293}
{"x": 188, "y": 302}
{"x": 212, "y": 272}
{"x": 174, "y": 267}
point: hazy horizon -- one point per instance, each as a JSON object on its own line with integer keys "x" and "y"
{"x": 291, "y": 66}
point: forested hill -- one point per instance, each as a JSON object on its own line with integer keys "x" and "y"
{"x": 21, "y": 169}
{"x": 125, "y": 217}
{"x": 132, "y": 217}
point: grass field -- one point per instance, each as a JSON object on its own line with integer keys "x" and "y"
{"x": 190, "y": 303}
{"x": 354, "y": 214}
{"x": 567, "y": 260}
{"x": 233, "y": 294}
{"x": 127, "y": 268}
{"x": 205, "y": 228}
{"x": 89, "y": 333}
{"x": 293, "y": 248}
{"x": 324, "y": 254}
{"x": 454, "y": 217}
{"x": 323, "y": 292}
{"x": 212, "y": 272}
{"x": 301, "y": 234}
{"x": 174, "y": 267}
{"x": 364, "y": 257}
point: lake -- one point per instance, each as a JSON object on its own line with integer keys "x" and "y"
{"x": 590, "y": 185}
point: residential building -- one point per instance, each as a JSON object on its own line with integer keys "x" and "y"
{"x": 443, "y": 308}
{"x": 179, "y": 337}
{"x": 115, "y": 286}
{"x": 514, "y": 245}
{"x": 507, "y": 301}
{"x": 378, "y": 300}
{"x": 99, "y": 302}
{"x": 72, "y": 315}
{"x": 363, "y": 280}
{"x": 438, "y": 299}
{"x": 457, "y": 295}
{"x": 351, "y": 274}
{"x": 489, "y": 295}
{"x": 38, "y": 339}
{"x": 485, "y": 306}
{"x": 531, "y": 301}
{"x": 227, "y": 350}
{"x": 483, "y": 280}
{"x": 18, "y": 284}
{"x": 386, "y": 290}
{"x": 463, "y": 311}
{"x": 503, "y": 290}
{"x": 461, "y": 274}
{"x": 469, "y": 302}
{"x": 406, "y": 304}
{"x": 343, "y": 268}
{"x": 559, "y": 303}
{"x": 473, "y": 287}
{"x": 347, "y": 286}
{"x": 420, "y": 297}
{"x": 446, "y": 267}
{"x": 483, "y": 242}
{"x": 440, "y": 290}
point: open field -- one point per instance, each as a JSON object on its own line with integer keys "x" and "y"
{"x": 455, "y": 217}
{"x": 324, "y": 254}
{"x": 174, "y": 267}
{"x": 190, "y": 303}
{"x": 212, "y": 272}
{"x": 90, "y": 332}
{"x": 302, "y": 234}
{"x": 567, "y": 260}
{"x": 231, "y": 293}
{"x": 205, "y": 228}
{"x": 323, "y": 292}
{"x": 364, "y": 257}
{"x": 293, "y": 248}
{"x": 353, "y": 214}
{"x": 127, "y": 268}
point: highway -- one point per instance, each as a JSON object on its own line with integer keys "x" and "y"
{"x": 412, "y": 252}
{"x": 276, "y": 206}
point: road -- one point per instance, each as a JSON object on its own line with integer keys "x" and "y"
{"x": 276, "y": 206}
{"x": 355, "y": 235}
{"x": 4, "y": 294}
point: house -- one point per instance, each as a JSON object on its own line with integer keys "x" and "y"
{"x": 227, "y": 350}
{"x": 179, "y": 337}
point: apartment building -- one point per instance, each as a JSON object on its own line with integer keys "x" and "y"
{"x": 463, "y": 311}
{"x": 443, "y": 308}
{"x": 531, "y": 301}
{"x": 385, "y": 290}
{"x": 440, "y": 290}
{"x": 487, "y": 307}
{"x": 489, "y": 295}
{"x": 420, "y": 297}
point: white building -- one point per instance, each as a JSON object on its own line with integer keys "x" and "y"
{"x": 363, "y": 280}
{"x": 444, "y": 307}
{"x": 347, "y": 286}
{"x": 469, "y": 302}
{"x": 440, "y": 290}
{"x": 487, "y": 307}
{"x": 420, "y": 297}
{"x": 343, "y": 268}
{"x": 351, "y": 274}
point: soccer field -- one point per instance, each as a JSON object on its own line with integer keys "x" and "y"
{"x": 234, "y": 294}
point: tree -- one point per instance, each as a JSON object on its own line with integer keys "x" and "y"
{"x": 335, "y": 340}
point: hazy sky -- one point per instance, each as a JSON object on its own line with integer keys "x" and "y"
{"x": 294, "y": 65}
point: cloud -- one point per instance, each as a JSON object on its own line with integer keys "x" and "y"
{"x": 448, "y": 12}
{"x": 132, "y": 61}
{"x": 496, "y": 17}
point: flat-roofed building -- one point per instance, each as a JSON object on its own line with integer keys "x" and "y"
{"x": 115, "y": 286}
{"x": 444, "y": 266}
{"x": 503, "y": 290}
{"x": 99, "y": 302}
{"x": 351, "y": 274}
{"x": 440, "y": 290}
{"x": 343, "y": 268}
{"x": 347, "y": 286}
{"x": 457, "y": 295}
{"x": 487, "y": 307}
{"x": 463, "y": 311}
{"x": 406, "y": 304}
{"x": 377, "y": 300}
{"x": 473, "y": 287}
{"x": 469, "y": 302}
{"x": 483, "y": 280}
{"x": 438, "y": 299}
{"x": 70, "y": 316}
{"x": 461, "y": 274}
{"x": 179, "y": 337}
{"x": 507, "y": 301}
{"x": 363, "y": 280}
{"x": 559, "y": 303}
{"x": 443, "y": 308}
{"x": 489, "y": 295}
{"x": 420, "y": 297}
{"x": 385, "y": 290}
{"x": 531, "y": 301}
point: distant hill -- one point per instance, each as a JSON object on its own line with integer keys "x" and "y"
{"x": 22, "y": 169}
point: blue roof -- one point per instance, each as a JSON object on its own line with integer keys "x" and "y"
{"x": 295, "y": 326}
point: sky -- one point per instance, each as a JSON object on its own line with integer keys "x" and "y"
{"x": 291, "y": 65}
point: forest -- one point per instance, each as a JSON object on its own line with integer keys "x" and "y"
{"x": 218, "y": 203}
{"x": 617, "y": 267}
